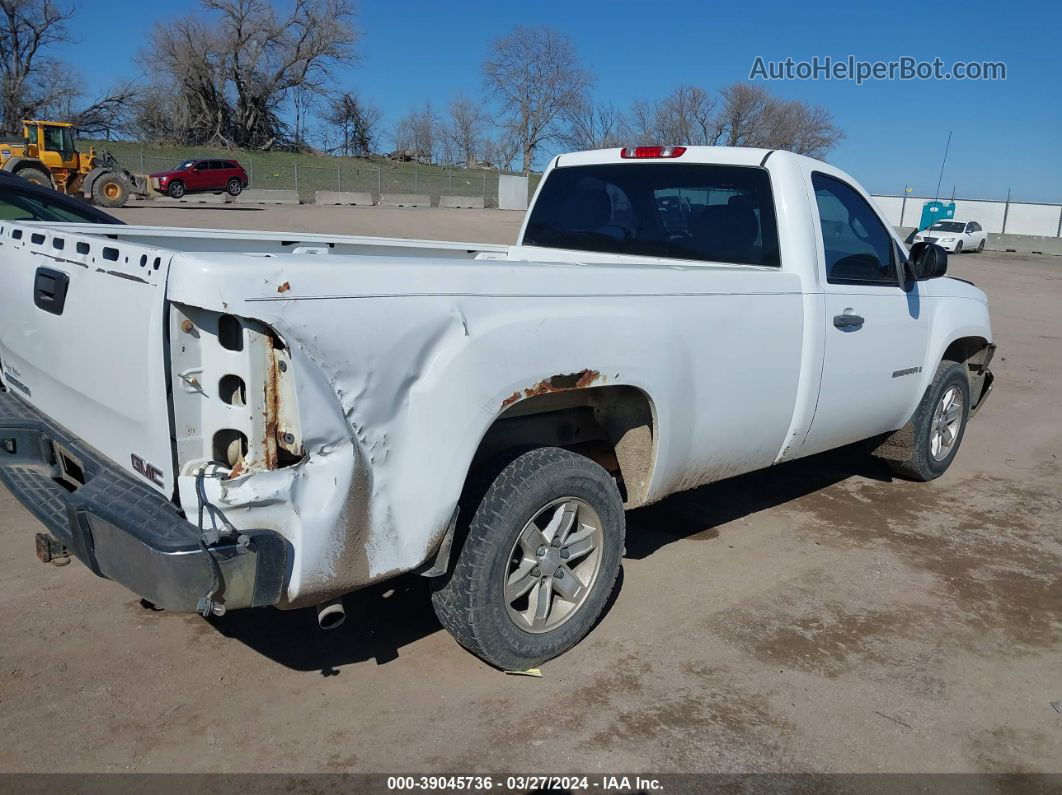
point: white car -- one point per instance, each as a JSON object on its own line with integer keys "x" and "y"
{"x": 954, "y": 237}
{"x": 224, "y": 419}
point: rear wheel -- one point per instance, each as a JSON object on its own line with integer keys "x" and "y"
{"x": 981, "y": 246}
{"x": 539, "y": 560}
{"x": 35, "y": 175}
{"x": 110, "y": 190}
{"x": 235, "y": 187}
{"x": 176, "y": 189}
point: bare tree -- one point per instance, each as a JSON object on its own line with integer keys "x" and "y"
{"x": 686, "y": 116}
{"x": 108, "y": 116}
{"x": 639, "y": 126}
{"x": 354, "y": 130}
{"x": 464, "y": 130}
{"x": 415, "y": 135}
{"x": 303, "y": 101}
{"x": 747, "y": 116}
{"x": 590, "y": 126}
{"x": 797, "y": 127}
{"x": 236, "y": 66}
{"x": 501, "y": 151}
{"x": 30, "y": 79}
{"x": 742, "y": 117}
{"x": 752, "y": 117}
{"x": 536, "y": 76}
{"x": 159, "y": 115}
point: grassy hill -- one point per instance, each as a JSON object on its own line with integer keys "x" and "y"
{"x": 310, "y": 172}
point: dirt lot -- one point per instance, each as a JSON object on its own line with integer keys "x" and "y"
{"x": 816, "y": 617}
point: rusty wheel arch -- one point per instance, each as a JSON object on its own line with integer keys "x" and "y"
{"x": 612, "y": 424}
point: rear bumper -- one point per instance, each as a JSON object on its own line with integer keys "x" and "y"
{"x": 124, "y": 530}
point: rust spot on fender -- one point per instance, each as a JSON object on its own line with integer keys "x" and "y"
{"x": 562, "y": 383}
{"x": 284, "y": 287}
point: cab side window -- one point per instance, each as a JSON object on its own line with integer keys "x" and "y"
{"x": 858, "y": 247}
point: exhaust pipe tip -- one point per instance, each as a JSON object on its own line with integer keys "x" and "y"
{"x": 331, "y": 615}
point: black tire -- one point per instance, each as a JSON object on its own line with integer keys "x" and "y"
{"x": 919, "y": 463}
{"x": 980, "y": 246}
{"x": 37, "y": 176}
{"x": 471, "y": 602}
{"x": 958, "y": 248}
{"x": 110, "y": 190}
{"x": 175, "y": 189}
{"x": 234, "y": 188}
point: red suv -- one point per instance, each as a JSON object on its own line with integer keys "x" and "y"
{"x": 198, "y": 176}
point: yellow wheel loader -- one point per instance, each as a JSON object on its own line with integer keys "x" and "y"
{"x": 46, "y": 154}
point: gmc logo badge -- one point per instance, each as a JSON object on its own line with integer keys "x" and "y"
{"x": 146, "y": 470}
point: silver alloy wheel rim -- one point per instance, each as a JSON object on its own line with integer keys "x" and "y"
{"x": 553, "y": 565}
{"x": 947, "y": 420}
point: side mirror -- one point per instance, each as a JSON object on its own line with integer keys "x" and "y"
{"x": 928, "y": 261}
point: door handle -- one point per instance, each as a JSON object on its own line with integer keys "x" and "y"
{"x": 848, "y": 321}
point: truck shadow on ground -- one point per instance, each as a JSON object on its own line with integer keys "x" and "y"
{"x": 384, "y": 618}
{"x": 698, "y": 513}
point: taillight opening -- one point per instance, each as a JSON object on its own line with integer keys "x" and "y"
{"x": 640, "y": 152}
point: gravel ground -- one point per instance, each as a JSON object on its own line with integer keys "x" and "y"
{"x": 819, "y": 616}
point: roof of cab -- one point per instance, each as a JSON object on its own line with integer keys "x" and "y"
{"x": 732, "y": 155}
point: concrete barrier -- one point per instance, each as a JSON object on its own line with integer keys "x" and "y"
{"x": 259, "y": 196}
{"x": 1018, "y": 244}
{"x": 1025, "y": 244}
{"x": 405, "y": 200}
{"x": 462, "y": 202}
{"x": 193, "y": 198}
{"x": 327, "y": 197}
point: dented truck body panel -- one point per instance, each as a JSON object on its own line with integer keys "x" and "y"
{"x": 338, "y": 389}
{"x": 396, "y": 390}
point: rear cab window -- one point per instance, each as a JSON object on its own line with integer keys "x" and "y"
{"x": 715, "y": 213}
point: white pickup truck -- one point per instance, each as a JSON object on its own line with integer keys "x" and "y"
{"x": 219, "y": 420}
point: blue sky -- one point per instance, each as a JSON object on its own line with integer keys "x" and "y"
{"x": 1006, "y": 134}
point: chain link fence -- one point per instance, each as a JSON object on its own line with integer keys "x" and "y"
{"x": 269, "y": 172}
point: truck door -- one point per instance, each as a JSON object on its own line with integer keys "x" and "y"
{"x": 876, "y": 332}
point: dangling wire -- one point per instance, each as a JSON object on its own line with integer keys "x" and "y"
{"x": 205, "y": 607}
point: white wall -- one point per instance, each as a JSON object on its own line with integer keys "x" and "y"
{"x": 988, "y": 214}
{"x": 891, "y": 206}
{"x": 1022, "y": 218}
{"x": 1032, "y": 219}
